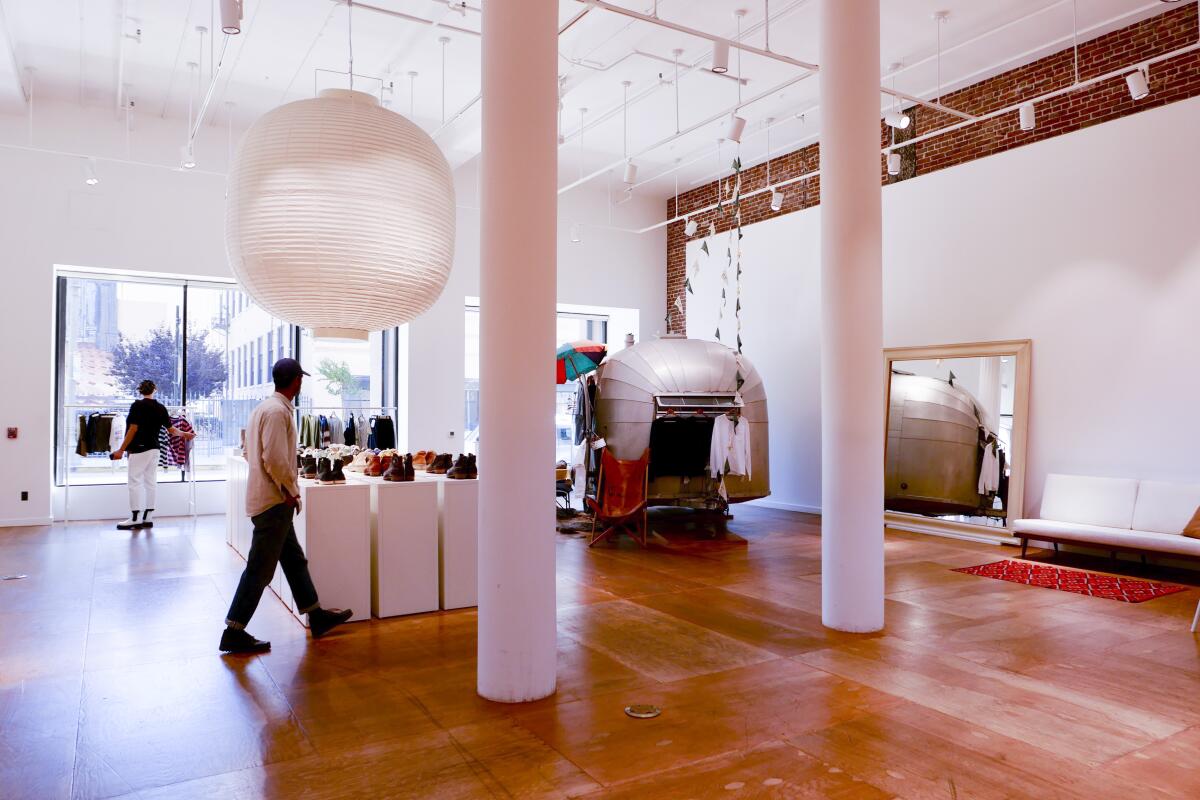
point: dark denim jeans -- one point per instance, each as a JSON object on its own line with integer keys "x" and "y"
{"x": 274, "y": 543}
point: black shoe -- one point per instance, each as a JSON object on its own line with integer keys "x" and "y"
{"x": 322, "y": 620}
{"x": 326, "y": 473}
{"x": 235, "y": 640}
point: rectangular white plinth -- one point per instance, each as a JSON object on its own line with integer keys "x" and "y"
{"x": 458, "y": 537}
{"x": 334, "y": 528}
{"x": 404, "y": 546}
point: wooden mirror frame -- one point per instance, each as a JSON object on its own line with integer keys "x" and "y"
{"x": 1022, "y": 350}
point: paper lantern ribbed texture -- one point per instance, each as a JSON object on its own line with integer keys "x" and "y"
{"x": 340, "y": 215}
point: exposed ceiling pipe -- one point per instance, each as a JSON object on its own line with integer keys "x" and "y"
{"x": 187, "y": 27}
{"x": 720, "y": 116}
{"x": 208, "y": 95}
{"x": 411, "y": 18}
{"x": 1015, "y": 108}
{"x": 597, "y": 67}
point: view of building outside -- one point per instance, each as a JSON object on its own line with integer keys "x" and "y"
{"x": 571, "y": 328}
{"x": 115, "y": 333}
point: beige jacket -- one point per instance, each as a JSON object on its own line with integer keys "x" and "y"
{"x": 271, "y": 454}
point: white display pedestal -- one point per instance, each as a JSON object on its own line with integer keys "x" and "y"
{"x": 458, "y": 539}
{"x": 404, "y": 546}
{"x": 334, "y": 528}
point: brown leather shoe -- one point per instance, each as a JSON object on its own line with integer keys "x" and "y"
{"x": 395, "y": 470}
{"x": 410, "y": 472}
{"x": 459, "y": 470}
{"x": 441, "y": 464}
{"x": 374, "y": 467}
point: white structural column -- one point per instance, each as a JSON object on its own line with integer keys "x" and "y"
{"x": 518, "y": 274}
{"x": 852, "y": 390}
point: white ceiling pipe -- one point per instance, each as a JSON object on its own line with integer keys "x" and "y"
{"x": 410, "y": 18}
{"x": 1117, "y": 73}
{"x": 208, "y": 96}
{"x": 708, "y": 121}
{"x": 711, "y": 206}
{"x": 598, "y": 67}
{"x": 675, "y": 26}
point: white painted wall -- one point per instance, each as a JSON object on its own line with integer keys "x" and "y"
{"x": 1086, "y": 243}
{"x": 157, "y": 219}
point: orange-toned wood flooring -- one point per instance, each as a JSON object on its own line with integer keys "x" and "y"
{"x": 111, "y": 686}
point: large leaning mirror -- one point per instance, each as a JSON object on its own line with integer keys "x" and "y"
{"x": 957, "y": 420}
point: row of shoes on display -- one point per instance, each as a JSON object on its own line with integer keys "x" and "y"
{"x": 324, "y": 465}
{"x": 462, "y": 468}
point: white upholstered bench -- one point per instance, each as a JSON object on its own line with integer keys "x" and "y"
{"x": 1115, "y": 514}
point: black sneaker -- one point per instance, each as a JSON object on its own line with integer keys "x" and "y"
{"x": 235, "y": 640}
{"x": 322, "y": 620}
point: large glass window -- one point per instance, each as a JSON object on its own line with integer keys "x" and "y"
{"x": 189, "y": 338}
{"x": 571, "y": 327}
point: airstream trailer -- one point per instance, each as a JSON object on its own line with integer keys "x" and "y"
{"x": 934, "y": 448}
{"x": 664, "y": 395}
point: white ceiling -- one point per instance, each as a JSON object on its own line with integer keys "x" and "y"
{"x": 75, "y": 47}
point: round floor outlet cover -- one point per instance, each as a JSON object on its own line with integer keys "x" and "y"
{"x": 640, "y": 711}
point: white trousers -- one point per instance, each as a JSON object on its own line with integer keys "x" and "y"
{"x": 143, "y": 479}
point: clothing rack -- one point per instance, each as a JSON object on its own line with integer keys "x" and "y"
{"x": 174, "y": 411}
{"x": 369, "y": 412}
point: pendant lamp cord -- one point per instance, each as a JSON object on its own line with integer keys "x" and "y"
{"x": 350, "y": 38}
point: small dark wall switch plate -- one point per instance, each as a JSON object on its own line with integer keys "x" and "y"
{"x": 24, "y": 495}
{"x": 12, "y": 433}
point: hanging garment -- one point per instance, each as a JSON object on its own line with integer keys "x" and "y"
{"x": 383, "y": 432}
{"x": 117, "y": 435}
{"x": 310, "y": 432}
{"x": 337, "y": 430}
{"x": 323, "y": 429}
{"x": 99, "y": 432}
{"x": 362, "y": 430}
{"x": 174, "y": 451}
{"x": 348, "y": 434}
{"x": 989, "y": 471}
{"x": 730, "y": 451}
{"x": 81, "y": 446}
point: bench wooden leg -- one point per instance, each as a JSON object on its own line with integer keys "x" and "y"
{"x": 1143, "y": 558}
{"x": 1024, "y": 547}
{"x": 1056, "y": 549}
{"x": 1196, "y": 619}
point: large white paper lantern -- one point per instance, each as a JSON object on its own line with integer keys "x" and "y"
{"x": 340, "y": 215}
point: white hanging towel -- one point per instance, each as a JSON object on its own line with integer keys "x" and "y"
{"x": 729, "y": 453}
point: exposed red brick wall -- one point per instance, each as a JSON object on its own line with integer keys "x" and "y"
{"x": 1175, "y": 79}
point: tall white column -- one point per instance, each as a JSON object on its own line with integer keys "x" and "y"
{"x": 852, "y": 392}
{"x": 517, "y": 653}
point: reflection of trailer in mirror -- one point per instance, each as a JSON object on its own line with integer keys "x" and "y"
{"x": 934, "y": 449}
{"x": 663, "y": 395}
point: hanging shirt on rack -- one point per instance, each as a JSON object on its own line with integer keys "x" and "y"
{"x": 383, "y": 432}
{"x": 174, "y": 451}
{"x": 337, "y": 430}
{"x": 348, "y": 434}
{"x": 310, "y": 432}
{"x": 117, "y": 434}
{"x": 730, "y": 451}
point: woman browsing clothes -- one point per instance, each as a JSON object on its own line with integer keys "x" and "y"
{"x": 146, "y": 418}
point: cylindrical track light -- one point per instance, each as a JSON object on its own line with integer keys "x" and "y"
{"x": 576, "y": 232}
{"x": 1028, "y": 117}
{"x": 89, "y": 172}
{"x": 630, "y": 172}
{"x": 720, "y": 56}
{"x": 187, "y": 157}
{"x": 733, "y": 131}
{"x": 1139, "y": 87}
{"x": 897, "y": 119}
{"x": 893, "y": 163}
{"x": 776, "y": 199}
{"x": 689, "y": 228}
{"x": 231, "y": 16}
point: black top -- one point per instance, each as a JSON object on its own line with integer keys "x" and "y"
{"x": 150, "y": 416}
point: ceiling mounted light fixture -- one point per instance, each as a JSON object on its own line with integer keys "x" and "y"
{"x": 631, "y": 169}
{"x": 776, "y": 199}
{"x": 720, "y": 56}
{"x": 734, "y": 128}
{"x": 187, "y": 157}
{"x": 689, "y": 228}
{"x": 630, "y": 176}
{"x": 1028, "y": 117}
{"x": 231, "y": 17}
{"x": 1138, "y": 83}
{"x": 89, "y": 172}
{"x": 893, "y": 163}
{"x": 576, "y": 233}
{"x": 897, "y": 119}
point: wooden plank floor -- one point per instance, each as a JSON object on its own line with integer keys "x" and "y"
{"x": 111, "y": 686}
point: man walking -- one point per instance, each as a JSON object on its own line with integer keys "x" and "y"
{"x": 272, "y": 499}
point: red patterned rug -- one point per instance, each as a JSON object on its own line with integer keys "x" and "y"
{"x": 1127, "y": 590}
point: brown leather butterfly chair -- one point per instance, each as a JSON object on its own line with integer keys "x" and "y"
{"x": 621, "y": 502}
